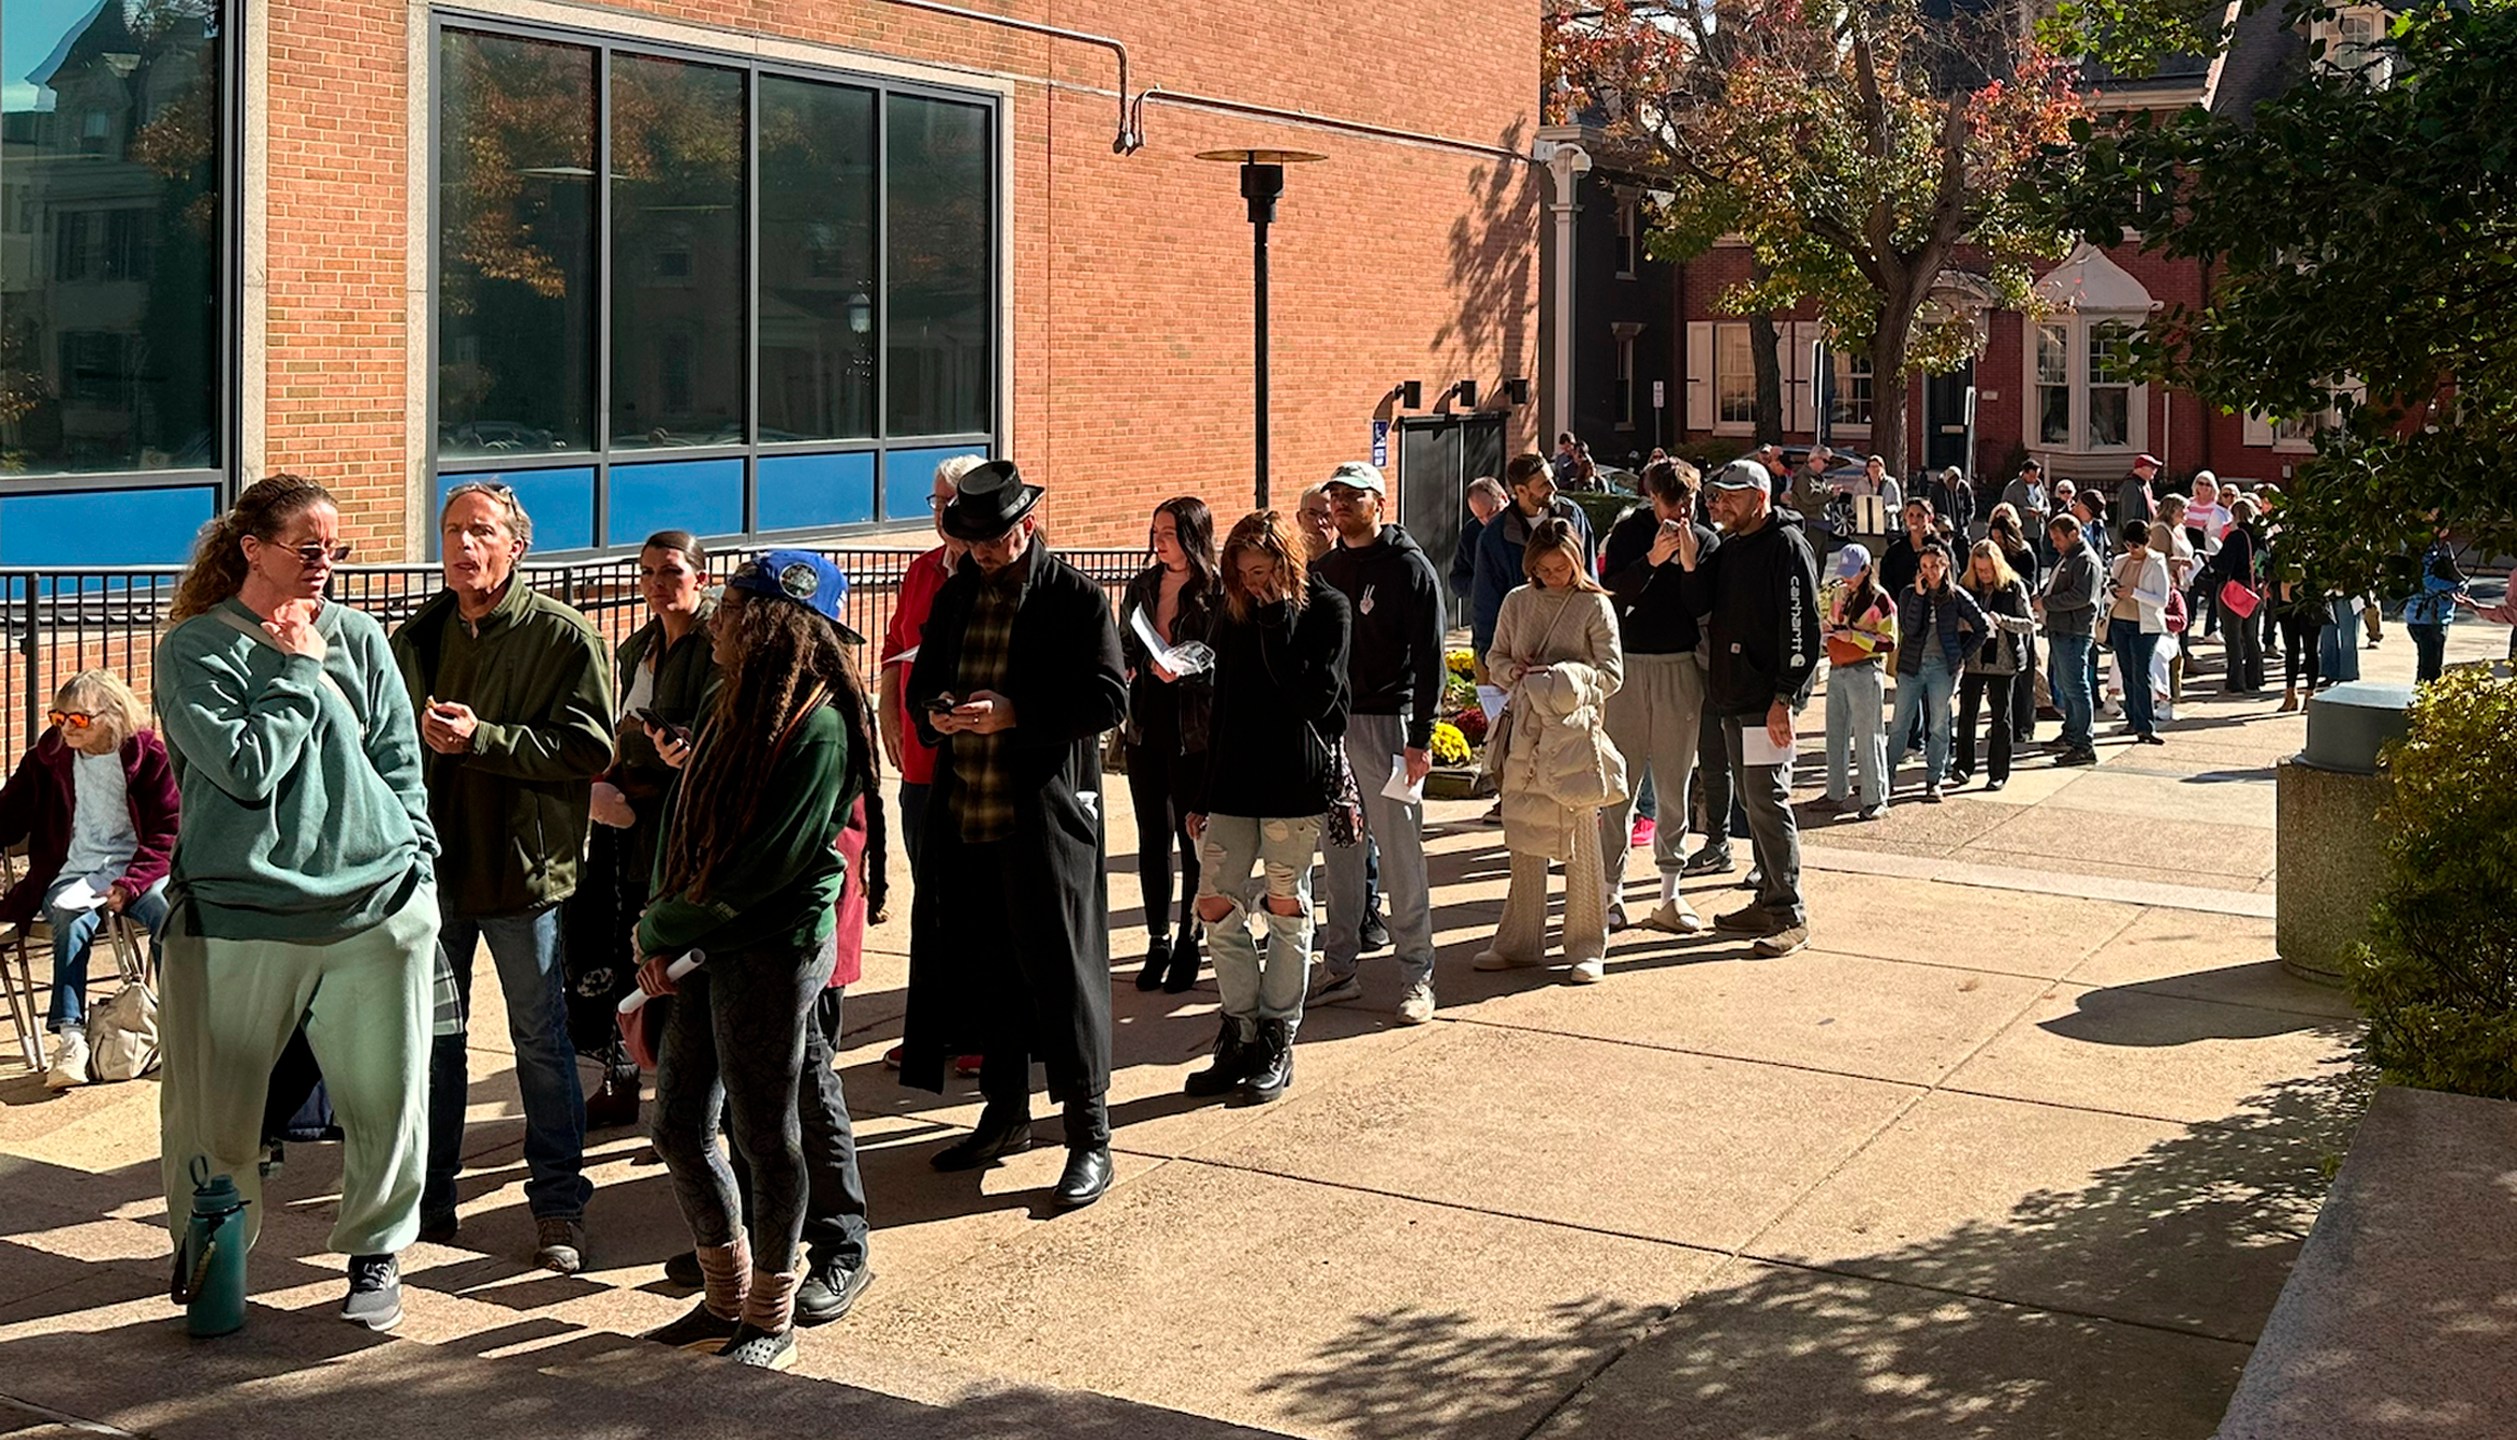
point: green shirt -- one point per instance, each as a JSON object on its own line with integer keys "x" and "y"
{"x": 781, "y": 883}
{"x": 304, "y": 817}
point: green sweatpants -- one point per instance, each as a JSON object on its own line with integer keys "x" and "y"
{"x": 228, "y": 1010}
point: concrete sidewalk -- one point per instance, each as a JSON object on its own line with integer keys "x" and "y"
{"x": 2023, "y": 1146}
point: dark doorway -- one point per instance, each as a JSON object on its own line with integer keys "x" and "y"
{"x": 1437, "y": 458}
{"x": 1944, "y": 419}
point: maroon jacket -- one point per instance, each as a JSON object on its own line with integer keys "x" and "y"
{"x": 37, "y": 804}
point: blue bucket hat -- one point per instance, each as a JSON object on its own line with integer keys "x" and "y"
{"x": 808, "y": 579}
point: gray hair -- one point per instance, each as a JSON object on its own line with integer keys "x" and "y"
{"x": 519, "y": 524}
{"x": 957, "y": 466}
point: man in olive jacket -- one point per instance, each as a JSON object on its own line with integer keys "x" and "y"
{"x": 514, "y": 695}
{"x": 1009, "y": 935}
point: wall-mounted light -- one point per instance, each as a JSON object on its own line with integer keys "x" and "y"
{"x": 1516, "y": 390}
{"x": 861, "y": 314}
{"x": 1410, "y": 394}
{"x": 1466, "y": 390}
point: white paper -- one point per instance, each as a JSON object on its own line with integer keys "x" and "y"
{"x": 1189, "y": 659}
{"x": 79, "y": 894}
{"x": 1490, "y": 699}
{"x": 1758, "y": 748}
{"x": 1397, "y": 788}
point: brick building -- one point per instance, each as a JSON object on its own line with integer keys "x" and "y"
{"x": 749, "y": 268}
{"x": 2053, "y": 387}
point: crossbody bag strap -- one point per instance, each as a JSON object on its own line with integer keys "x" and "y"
{"x": 244, "y": 626}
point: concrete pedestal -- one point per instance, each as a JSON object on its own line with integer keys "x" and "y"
{"x": 2330, "y": 865}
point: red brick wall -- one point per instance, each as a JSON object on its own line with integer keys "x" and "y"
{"x": 1130, "y": 345}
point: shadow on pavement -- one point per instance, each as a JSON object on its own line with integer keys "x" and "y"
{"x": 2123, "y": 1308}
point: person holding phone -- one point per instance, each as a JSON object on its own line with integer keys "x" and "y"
{"x": 1655, "y": 718}
{"x": 1940, "y": 624}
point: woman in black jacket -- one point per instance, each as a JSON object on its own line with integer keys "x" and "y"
{"x": 1271, "y": 775}
{"x": 1166, "y": 727}
{"x": 1994, "y": 665}
{"x": 2005, "y": 530}
{"x": 2240, "y": 635}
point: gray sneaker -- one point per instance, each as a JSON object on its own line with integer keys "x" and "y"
{"x": 375, "y": 1298}
{"x": 1337, "y": 990}
{"x": 559, "y": 1243}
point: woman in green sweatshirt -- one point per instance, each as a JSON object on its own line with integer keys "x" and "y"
{"x": 303, "y": 883}
{"x": 748, "y": 873}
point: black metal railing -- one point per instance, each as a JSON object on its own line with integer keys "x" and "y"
{"x": 57, "y": 622}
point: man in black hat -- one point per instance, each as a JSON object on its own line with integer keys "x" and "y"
{"x": 1009, "y": 938}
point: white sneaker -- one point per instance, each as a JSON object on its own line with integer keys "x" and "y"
{"x": 1497, "y": 960}
{"x": 1586, "y": 972}
{"x": 1676, "y": 917}
{"x": 1416, "y": 1006}
{"x": 69, "y": 1061}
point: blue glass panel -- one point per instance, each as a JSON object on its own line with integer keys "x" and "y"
{"x": 801, "y": 491}
{"x": 704, "y": 497}
{"x": 104, "y": 527}
{"x": 909, "y": 475}
{"x": 561, "y": 503}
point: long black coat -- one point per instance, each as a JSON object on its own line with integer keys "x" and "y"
{"x": 1067, "y": 687}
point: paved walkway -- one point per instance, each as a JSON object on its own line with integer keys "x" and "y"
{"x": 2024, "y": 1146}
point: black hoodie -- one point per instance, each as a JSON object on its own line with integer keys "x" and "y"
{"x": 1761, "y": 589}
{"x": 1394, "y": 665}
{"x": 1280, "y": 700}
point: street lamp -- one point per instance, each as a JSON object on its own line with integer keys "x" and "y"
{"x": 1262, "y": 180}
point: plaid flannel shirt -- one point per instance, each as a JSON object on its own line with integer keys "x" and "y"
{"x": 984, "y": 800}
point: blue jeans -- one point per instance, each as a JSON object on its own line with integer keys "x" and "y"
{"x": 1927, "y": 693}
{"x": 1252, "y": 984}
{"x": 74, "y": 935}
{"x": 2072, "y": 695}
{"x": 2132, "y": 665}
{"x": 1857, "y": 740}
{"x": 526, "y": 951}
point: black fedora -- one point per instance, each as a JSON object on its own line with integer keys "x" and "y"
{"x": 988, "y": 501}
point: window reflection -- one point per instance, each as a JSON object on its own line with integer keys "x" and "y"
{"x": 938, "y": 351}
{"x": 678, "y": 268}
{"x": 817, "y": 277}
{"x": 110, "y": 226}
{"x": 515, "y": 214}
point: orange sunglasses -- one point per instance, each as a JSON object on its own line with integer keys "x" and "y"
{"x": 71, "y": 720}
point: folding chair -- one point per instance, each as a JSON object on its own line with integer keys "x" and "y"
{"x": 17, "y": 977}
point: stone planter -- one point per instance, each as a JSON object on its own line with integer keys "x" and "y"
{"x": 1458, "y": 782}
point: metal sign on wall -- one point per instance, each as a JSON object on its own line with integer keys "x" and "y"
{"x": 1381, "y": 444}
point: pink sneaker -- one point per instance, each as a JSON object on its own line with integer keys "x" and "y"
{"x": 1644, "y": 830}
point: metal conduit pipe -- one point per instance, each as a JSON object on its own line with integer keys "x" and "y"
{"x": 1130, "y": 139}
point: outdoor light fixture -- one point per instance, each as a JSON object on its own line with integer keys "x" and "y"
{"x": 861, "y": 313}
{"x": 1262, "y": 181}
{"x": 1410, "y": 394}
{"x": 1516, "y": 390}
{"x": 1467, "y": 391}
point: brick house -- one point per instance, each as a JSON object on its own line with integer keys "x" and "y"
{"x": 746, "y": 268}
{"x": 2053, "y": 388}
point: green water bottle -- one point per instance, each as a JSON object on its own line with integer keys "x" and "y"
{"x": 210, "y": 1264}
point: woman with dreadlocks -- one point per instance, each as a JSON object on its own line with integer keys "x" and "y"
{"x": 749, "y": 872}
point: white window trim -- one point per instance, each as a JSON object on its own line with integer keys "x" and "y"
{"x": 2076, "y": 327}
{"x": 2262, "y": 432}
{"x": 1720, "y": 425}
{"x": 1629, "y": 237}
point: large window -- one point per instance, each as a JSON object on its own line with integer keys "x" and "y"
{"x": 1734, "y": 376}
{"x": 2083, "y": 395}
{"x": 1849, "y": 398}
{"x": 113, "y": 239}
{"x": 685, "y": 289}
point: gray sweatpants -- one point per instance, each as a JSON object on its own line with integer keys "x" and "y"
{"x": 1372, "y": 743}
{"x": 1654, "y": 720}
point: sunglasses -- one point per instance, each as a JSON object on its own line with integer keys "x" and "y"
{"x": 73, "y": 721}
{"x": 312, "y": 554}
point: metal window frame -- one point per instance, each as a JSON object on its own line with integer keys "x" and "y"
{"x": 602, "y": 457}
{"x": 226, "y": 407}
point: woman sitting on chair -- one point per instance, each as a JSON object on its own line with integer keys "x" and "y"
{"x": 95, "y": 803}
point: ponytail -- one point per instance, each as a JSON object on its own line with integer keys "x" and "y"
{"x": 217, "y": 570}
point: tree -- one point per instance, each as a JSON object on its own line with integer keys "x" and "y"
{"x": 1858, "y": 146}
{"x": 2361, "y": 230}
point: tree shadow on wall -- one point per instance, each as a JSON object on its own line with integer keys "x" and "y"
{"x": 1494, "y": 258}
{"x": 2123, "y": 1308}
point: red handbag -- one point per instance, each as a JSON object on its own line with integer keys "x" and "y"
{"x": 2241, "y": 602}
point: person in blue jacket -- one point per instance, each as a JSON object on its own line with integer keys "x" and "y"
{"x": 1499, "y": 547}
{"x": 1485, "y": 500}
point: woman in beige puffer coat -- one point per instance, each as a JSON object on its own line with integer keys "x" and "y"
{"x": 1556, "y": 652}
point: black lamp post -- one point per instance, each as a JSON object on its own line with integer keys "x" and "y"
{"x": 1262, "y": 180}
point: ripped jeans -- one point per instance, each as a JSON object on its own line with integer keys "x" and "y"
{"x": 1256, "y": 987}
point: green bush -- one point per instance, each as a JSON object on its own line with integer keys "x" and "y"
{"x": 1604, "y": 509}
{"x": 2439, "y": 978}
{"x": 1710, "y": 455}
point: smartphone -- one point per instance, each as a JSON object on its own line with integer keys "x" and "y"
{"x": 645, "y": 715}
{"x": 941, "y": 705}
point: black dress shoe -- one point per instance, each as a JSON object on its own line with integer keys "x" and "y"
{"x": 829, "y": 1293}
{"x": 683, "y": 1270}
{"x": 1086, "y": 1179}
{"x": 1157, "y": 960}
{"x": 984, "y": 1146}
{"x": 1182, "y": 976}
{"x": 439, "y": 1229}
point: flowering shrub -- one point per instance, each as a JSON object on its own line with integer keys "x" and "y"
{"x": 1450, "y": 747}
{"x": 1471, "y": 723}
{"x": 1462, "y": 663}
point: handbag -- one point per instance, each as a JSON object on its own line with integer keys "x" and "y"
{"x": 122, "y": 1034}
{"x": 2241, "y": 602}
{"x": 1345, "y": 800}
